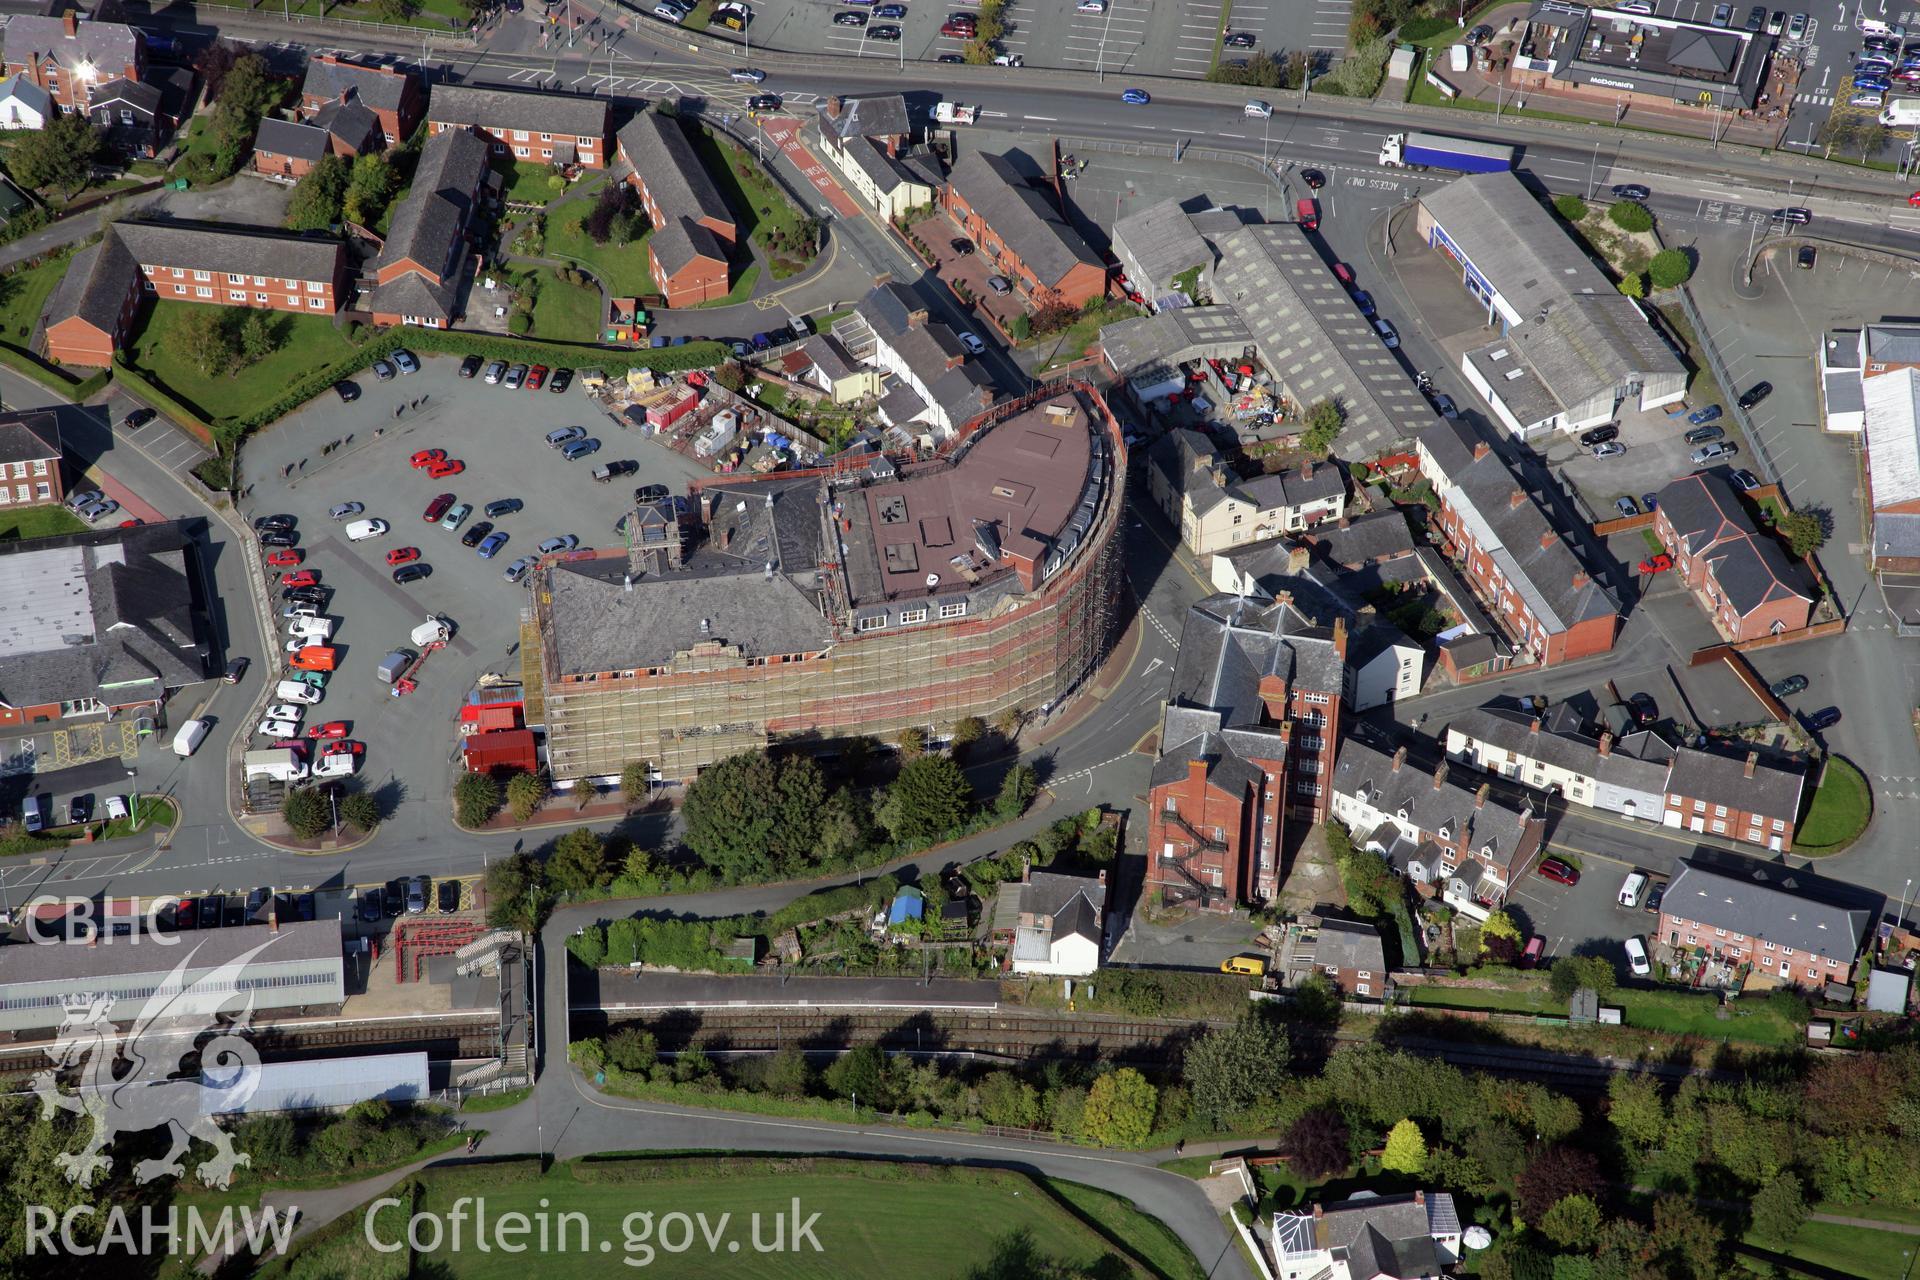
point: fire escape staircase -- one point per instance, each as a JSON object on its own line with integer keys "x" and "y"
{"x": 1208, "y": 893}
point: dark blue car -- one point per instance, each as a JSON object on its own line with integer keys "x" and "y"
{"x": 1364, "y": 300}
{"x": 490, "y": 545}
{"x": 1708, "y": 414}
{"x": 761, "y": 342}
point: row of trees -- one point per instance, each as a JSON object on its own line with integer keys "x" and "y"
{"x": 334, "y": 190}
{"x": 309, "y": 812}
{"x": 227, "y": 339}
{"x": 243, "y": 89}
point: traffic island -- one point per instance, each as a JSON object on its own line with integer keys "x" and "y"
{"x": 1839, "y": 812}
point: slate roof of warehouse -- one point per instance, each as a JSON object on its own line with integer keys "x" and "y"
{"x": 497, "y": 109}
{"x": 1772, "y": 903}
{"x": 658, "y": 149}
{"x": 1593, "y": 338}
{"x": 33, "y": 435}
{"x": 1149, "y": 349}
{"x": 379, "y": 88}
{"x": 1026, "y": 220}
{"x": 1214, "y": 709}
{"x": 1313, "y": 338}
{"x": 1166, "y": 239}
{"x": 221, "y": 248}
{"x": 1717, "y": 778}
{"x": 286, "y": 138}
{"x": 1892, "y": 403}
{"x": 114, "y": 607}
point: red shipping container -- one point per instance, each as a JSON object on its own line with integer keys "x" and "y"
{"x": 662, "y": 416}
{"x": 512, "y": 749}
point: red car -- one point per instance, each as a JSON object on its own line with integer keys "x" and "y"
{"x": 438, "y": 507}
{"x": 347, "y": 748}
{"x": 1307, "y": 213}
{"x": 1914, "y": 200}
{"x": 1559, "y": 872}
{"x": 536, "y": 376}
{"x": 1657, "y": 564}
{"x": 426, "y": 458}
{"x": 300, "y": 578}
{"x": 958, "y": 30}
{"x": 403, "y": 555}
{"x": 331, "y": 729}
{"x": 285, "y": 556}
{"x": 1531, "y": 956}
{"x": 450, "y": 467}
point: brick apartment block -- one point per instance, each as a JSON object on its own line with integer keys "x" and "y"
{"x": 1022, "y": 231}
{"x": 393, "y": 96}
{"x": 694, "y": 231}
{"x": 536, "y": 128}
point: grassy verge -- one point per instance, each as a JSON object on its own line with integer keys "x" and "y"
{"x": 1082, "y": 333}
{"x": 1839, "y": 811}
{"x": 23, "y": 295}
{"x": 1120, "y": 1222}
{"x": 1675, "y": 1012}
{"x": 1703, "y": 389}
{"x": 742, "y": 286}
{"x": 496, "y": 1101}
{"x": 434, "y": 15}
{"x": 565, "y": 312}
{"x": 156, "y": 813}
{"x": 1852, "y": 1251}
{"x": 767, "y": 217}
{"x": 157, "y": 351}
{"x": 623, "y": 269}
{"x": 39, "y": 522}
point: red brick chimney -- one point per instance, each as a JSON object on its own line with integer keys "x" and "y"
{"x": 1548, "y": 538}
{"x": 1440, "y": 776}
{"x": 1273, "y": 695}
{"x": 1606, "y": 744}
{"x": 1306, "y": 469}
{"x": 1580, "y": 579}
{"x": 1399, "y": 758}
{"x": 1197, "y": 773}
{"x": 1481, "y": 449}
{"x": 71, "y": 21}
{"x": 1535, "y": 726}
{"x": 1480, "y": 796}
{"x": 1753, "y": 758}
{"x": 1515, "y": 498}
{"x": 1340, "y": 639}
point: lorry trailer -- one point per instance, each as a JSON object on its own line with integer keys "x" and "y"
{"x": 1431, "y": 151}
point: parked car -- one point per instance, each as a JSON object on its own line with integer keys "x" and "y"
{"x": 279, "y": 538}
{"x": 1000, "y": 285}
{"x": 416, "y": 895}
{"x": 344, "y": 510}
{"x": 448, "y": 467}
{"x": 383, "y": 371}
{"x": 456, "y": 516}
{"x": 1788, "y": 687}
{"x": 536, "y": 377}
{"x": 1530, "y": 956}
{"x": 565, "y": 436}
{"x": 403, "y": 555}
{"x": 1650, "y": 502}
{"x": 1611, "y": 449}
{"x": 490, "y": 545}
{"x": 580, "y": 449}
{"x": 1625, "y": 507}
{"x": 478, "y": 530}
{"x": 1824, "y": 718}
{"x": 1656, "y": 564}
{"x": 518, "y": 569}
{"x": 1600, "y": 435}
{"x": 411, "y": 573}
{"x": 361, "y": 530}
{"x": 1755, "y": 394}
{"x": 284, "y": 557}
{"x": 1655, "y": 896}
{"x": 1744, "y": 480}
{"x": 495, "y": 371}
{"x": 425, "y": 458}
{"x": 1645, "y": 709}
{"x": 1722, "y": 15}
{"x": 972, "y": 343}
{"x": 850, "y": 19}
{"x": 502, "y": 507}
{"x": 1714, "y": 452}
{"x": 470, "y": 366}
{"x": 515, "y": 376}
{"x": 560, "y": 381}
{"x": 1708, "y": 414}
{"x": 1637, "y": 957}
{"x": 565, "y": 542}
{"x": 1364, "y": 300}
{"x": 1797, "y": 27}
{"x": 1387, "y": 335}
{"x": 264, "y": 523}
{"x": 1444, "y": 403}
{"x": 449, "y": 895}
{"x": 438, "y": 507}
{"x": 405, "y": 361}
{"x": 1307, "y": 213}
{"x": 1805, "y": 258}
{"x": 1559, "y": 871}
{"x": 1702, "y": 435}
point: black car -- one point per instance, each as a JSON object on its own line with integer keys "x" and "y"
{"x": 236, "y": 669}
{"x": 449, "y": 895}
{"x": 1655, "y": 895}
{"x": 470, "y": 367}
{"x": 621, "y": 467}
{"x": 1600, "y": 435}
{"x": 1631, "y": 191}
{"x": 394, "y": 899}
{"x": 347, "y": 391}
{"x": 265, "y": 523}
{"x": 1805, "y": 258}
{"x": 764, "y": 102}
{"x": 950, "y": 57}
{"x": 503, "y": 507}
{"x": 1824, "y": 718}
{"x": 1788, "y": 687}
{"x": 1799, "y": 217}
{"x": 233, "y": 911}
{"x": 79, "y": 809}
{"x": 305, "y": 595}
{"x": 1756, "y": 17}
{"x": 1645, "y": 709}
{"x": 370, "y": 906}
{"x": 304, "y": 907}
{"x": 213, "y": 909}
{"x": 1755, "y": 394}
{"x": 885, "y": 31}
{"x": 960, "y": 245}
{"x": 412, "y": 573}
{"x": 256, "y": 900}
{"x": 1313, "y": 178}
{"x": 279, "y": 538}
{"x": 560, "y": 381}
{"x": 1239, "y": 40}
{"x": 476, "y": 531}
{"x": 850, "y": 19}
{"x": 650, "y": 493}
{"x": 138, "y": 418}
{"x": 1704, "y": 435}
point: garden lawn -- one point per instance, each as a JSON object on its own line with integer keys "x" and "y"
{"x": 623, "y": 269}
{"x": 1839, "y": 811}
{"x": 435, "y": 15}
{"x": 764, "y": 210}
{"x": 875, "y": 1221}
{"x": 311, "y": 342}
{"x": 39, "y": 522}
{"x": 565, "y": 312}
{"x": 1071, "y": 344}
{"x": 1853, "y": 1251}
{"x": 156, "y": 813}
{"x": 526, "y": 182}
{"x": 22, "y": 296}
{"x": 1658, "y": 1009}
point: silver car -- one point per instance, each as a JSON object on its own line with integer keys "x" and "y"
{"x": 1714, "y": 452}
{"x": 515, "y": 376}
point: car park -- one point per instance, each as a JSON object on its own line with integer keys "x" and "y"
{"x": 490, "y": 545}
{"x": 345, "y": 510}
{"x": 565, "y": 542}
{"x": 1788, "y": 687}
{"x": 405, "y": 362}
{"x": 580, "y": 449}
{"x": 438, "y": 507}
{"x": 565, "y": 436}
{"x": 411, "y": 573}
{"x": 1708, "y": 414}
{"x": 1701, "y": 435}
{"x": 361, "y": 530}
{"x": 478, "y": 530}
{"x": 470, "y": 366}
{"x": 1625, "y": 507}
{"x": 1132, "y": 97}
{"x": 1601, "y": 434}
{"x": 456, "y": 516}
{"x": 1559, "y": 871}
{"x": 1637, "y": 957}
{"x": 1656, "y": 564}
{"x": 1754, "y": 394}
{"x": 1611, "y": 449}
{"x": 1714, "y": 452}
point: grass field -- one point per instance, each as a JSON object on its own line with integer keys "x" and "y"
{"x": 22, "y": 296}
{"x": 38, "y": 522}
{"x": 1673, "y": 1011}
{"x": 875, "y": 1220}
{"x": 622, "y": 269}
{"x": 1853, "y": 1251}
{"x": 565, "y": 312}
{"x": 1839, "y": 811}
{"x": 310, "y": 342}
{"x": 526, "y": 182}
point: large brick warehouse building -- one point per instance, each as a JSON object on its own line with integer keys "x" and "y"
{"x": 832, "y": 604}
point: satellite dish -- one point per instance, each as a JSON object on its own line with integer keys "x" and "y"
{"x": 1476, "y": 1237}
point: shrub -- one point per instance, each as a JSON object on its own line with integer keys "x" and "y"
{"x": 1570, "y": 207}
{"x": 1670, "y": 268}
{"x": 476, "y": 796}
{"x": 1631, "y": 215}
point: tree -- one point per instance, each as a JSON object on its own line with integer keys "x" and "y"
{"x": 1406, "y": 1149}
{"x": 859, "y": 1071}
{"x": 1573, "y": 1223}
{"x": 1009, "y": 1101}
{"x": 359, "y": 809}
{"x": 1017, "y": 790}
{"x": 246, "y": 92}
{"x": 786, "y": 1073}
{"x": 476, "y": 796}
{"x": 1051, "y": 312}
{"x": 370, "y": 186}
{"x": 59, "y": 155}
{"x": 752, "y": 815}
{"x": 1325, "y": 418}
{"x": 526, "y": 792}
{"x": 1634, "y": 284}
{"x": 1686, "y": 1239}
{"x": 1570, "y": 973}
{"x": 395, "y": 11}
{"x": 1500, "y": 925}
{"x": 316, "y": 200}
{"x": 616, "y": 198}
{"x": 1358, "y": 74}
{"x": 1570, "y": 206}
{"x": 306, "y": 812}
{"x": 1779, "y": 1209}
{"x": 578, "y": 861}
{"x": 1229, "y": 1069}
{"x": 1804, "y": 531}
{"x": 1630, "y": 215}
{"x": 1120, "y": 1109}
{"x": 636, "y": 782}
{"x": 1635, "y": 1108}
{"x": 912, "y": 742}
{"x": 966, "y": 731}
{"x": 515, "y": 897}
{"x": 633, "y": 1049}
{"x": 1557, "y": 1172}
{"x": 978, "y": 53}
{"x": 1670, "y": 268}
{"x": 1319, "y": 1145}
{"x": 927, "y": 799}
{"x": 1007, "y": 722}
{"x": 732, "y": 375}
{"x": 213, "y": 63}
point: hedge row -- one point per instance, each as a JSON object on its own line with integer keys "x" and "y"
{"x": 144, "y": 388}
{"x": 32, "y": 366}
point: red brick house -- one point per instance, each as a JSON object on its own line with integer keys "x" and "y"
{"x": 1538, "y": 592}
{"x": 418, "y": 275}
{"x": 290, "y": 148}
{"x": 1786, "y": 923}
{"x": 1247, "y": 741}
{"x": 1744, "y": 797}
{"x": 392, "y": 96}
{"x": 1744, "y": 577}
{"x": 71, "y": 56}
{"x": 1351, "y": 956}
{"x": 1020, "y": 228}
{"x": 694, "y": 230}
{"x": 30, "y": 460}
{"x": 88, "y": 314}
{"x": 534, "y": 128}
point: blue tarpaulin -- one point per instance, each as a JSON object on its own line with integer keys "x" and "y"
{"x": 908, "y": 904}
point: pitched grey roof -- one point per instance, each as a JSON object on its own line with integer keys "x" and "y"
{"x": 1161, "y": 242}
{"x": 1515, "y": 731}
{"x": 95, "y": 286}
{"x": 1368, "y": 539}
{"x": 30, "y": 436}
{"x": 413, "y": 294}
{"x": 598, "y": 625}
{"x": 105, "y": 613}
{"x": 285, "y": 138}
{"x": 866, "y": 115}
{"x": 1751, "y": 567}
{"x": 886, "y": 172}
{"x": 829, "y": 356}
{"x": 658, "y": 149}
{"x": 294, "y": 942}
{"x": 435, "y": 214}
{"x": 30, "y": 94}
{"x": 1380, "y": 1235}
{"x": 681, "y": 241}
{"x": 1148, "y": 350}
{"x": 1775, "y": 904}
{"x": 1890, "y": 343}
{"x": 140, "y": 96}
{"x": 1367, "y": 769}
{"x": 1349, "y": 944}
{"x": 537, "y": 113}
{"x": 222, "y": 248}
{"x": 1773, "y": 791}
{"x": 107, "y": 45}
{"x": 1188, "y": 461}
{"x": 1021, "y": 216}
{"x": 351, "y": 121}
{"x": 1074, "y": 903}
{"x": 379, "y": 88}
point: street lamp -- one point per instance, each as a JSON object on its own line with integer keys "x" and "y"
{"x": 133, "y": 801}
{"x": 1100, "y": 60}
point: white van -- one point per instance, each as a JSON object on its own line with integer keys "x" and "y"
{"x": 361, "y": 530}
{"x": 1457, "y": 57}
{"x": 296, "y": 691}
{"x": 33, "y": 813}
{"x": 1632, "y": 889}
{"x": 1900, "y": 112}
{"x": 191, "y": 735}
